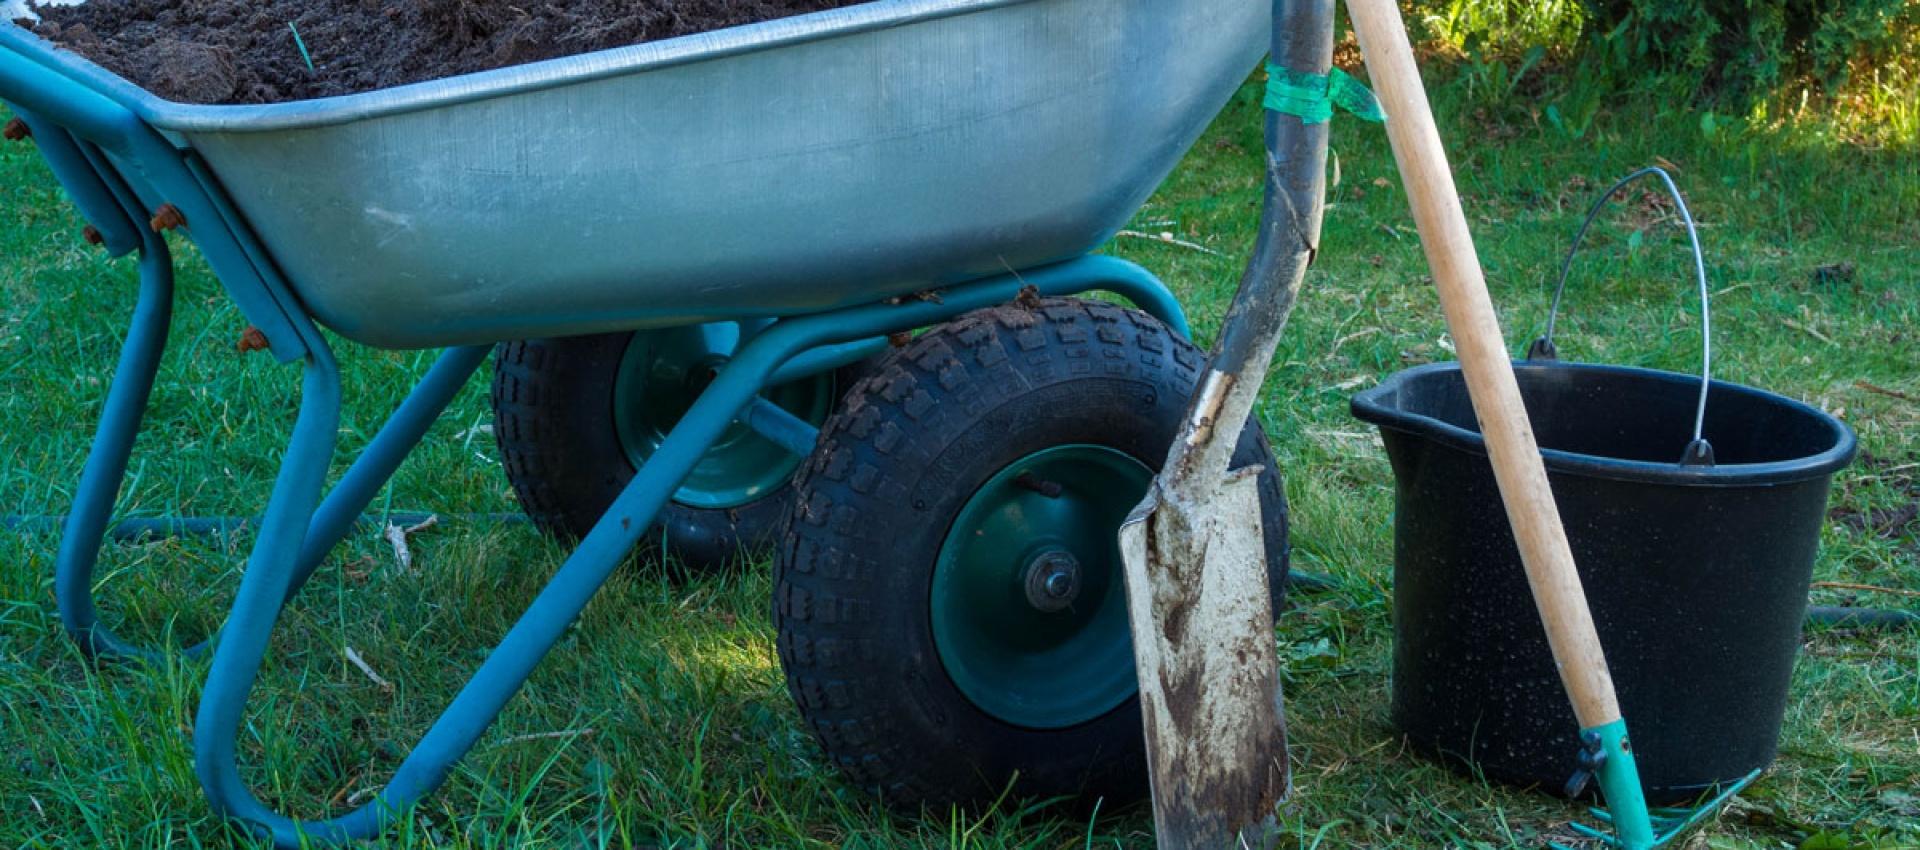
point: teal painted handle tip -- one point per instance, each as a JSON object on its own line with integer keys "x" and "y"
{"x": 1619, "y": 778}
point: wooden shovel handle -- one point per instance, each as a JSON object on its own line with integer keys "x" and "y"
{"x": 1483, "y": 358}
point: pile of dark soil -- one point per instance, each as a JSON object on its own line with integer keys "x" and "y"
{"x": 246, "y": 51}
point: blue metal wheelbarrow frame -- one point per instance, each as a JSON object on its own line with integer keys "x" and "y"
{"x": 114, "y": 163}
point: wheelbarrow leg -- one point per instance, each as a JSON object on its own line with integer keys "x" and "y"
{"x": 275, "y": 565}
{"x": 107, "y": 461}
{"x": 112, "y": 445}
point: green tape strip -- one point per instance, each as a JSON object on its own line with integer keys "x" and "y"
{"x": 1312, "y": 97}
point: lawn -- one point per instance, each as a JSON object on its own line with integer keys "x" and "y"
{"x": 662, "y": 718}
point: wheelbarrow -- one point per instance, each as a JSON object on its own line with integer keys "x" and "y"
{"x": 705, "y": 259}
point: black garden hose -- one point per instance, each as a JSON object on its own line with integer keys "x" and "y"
{"x": 1839, "y": 616}
{"x": 1300, "y": 581}
{"x": 145, "y": 528}
{"x": 1869, "y": 619}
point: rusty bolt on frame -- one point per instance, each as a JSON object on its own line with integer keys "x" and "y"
{"x": 251, "y": 340}
{"x": 17, "y": 130}
{"x": 166, "y": 218}
{"x": 92, "y": 235}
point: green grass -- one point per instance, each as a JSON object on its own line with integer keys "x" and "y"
{"x": 693, "y": 742}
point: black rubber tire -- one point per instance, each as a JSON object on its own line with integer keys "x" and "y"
{"x": 553, "y": 421}
{"x": 908, "y": 447}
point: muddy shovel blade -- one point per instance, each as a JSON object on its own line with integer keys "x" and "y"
{"x": 1209, "y": 672}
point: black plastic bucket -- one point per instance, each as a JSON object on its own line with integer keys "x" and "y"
{"x": 1697, "y": 573}
{"x": 1697, "y": 576}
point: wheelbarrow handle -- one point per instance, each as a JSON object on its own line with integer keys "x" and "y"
{"x": 89, "y": 114}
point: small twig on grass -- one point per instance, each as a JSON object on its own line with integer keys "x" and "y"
{"x": 478, "y": 429}
{"x": 401, "y": 552}
{"x": 1168, "y": 239}
{"x": 1873, "y": 588}
{"x": 1359, "y": 334}
{"x": 1876, "y": 389}
{"x": 353, "y": 657}
{"x": 359, "y": 568}
{"x": 1809, "y": 331}
{"x": 342, "y": 794}
{"x": 547, "y": 736}
{"x": 398, "y": 535}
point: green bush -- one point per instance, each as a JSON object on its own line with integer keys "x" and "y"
{"x": 1741, "y": 49}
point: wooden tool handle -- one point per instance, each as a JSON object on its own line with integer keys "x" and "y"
{"x": 1483, "y": 357}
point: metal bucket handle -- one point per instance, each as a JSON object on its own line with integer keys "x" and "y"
{"x": 1699, "y": 452}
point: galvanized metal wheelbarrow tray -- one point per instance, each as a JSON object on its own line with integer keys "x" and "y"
{"x": 810, "y": 169}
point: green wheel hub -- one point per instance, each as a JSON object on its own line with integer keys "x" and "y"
{"x": 1029, "y": 611}
{"x": 664, "y": 371}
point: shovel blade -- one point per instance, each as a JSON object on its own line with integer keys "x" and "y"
{"x": 1210, "y": 701}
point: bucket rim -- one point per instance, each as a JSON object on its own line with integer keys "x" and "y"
{"x": 1370, "y": 406}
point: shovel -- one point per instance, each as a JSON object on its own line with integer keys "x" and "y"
{"x": 1196, "y": 566}
{"x": 1606, "y": 753}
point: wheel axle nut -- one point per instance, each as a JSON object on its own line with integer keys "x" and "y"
{"x": 1053, "y": 581}
{"x": 166, "y": 218}
{"x": 17, "y": 130}
{"x": 1059, "y": 585}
